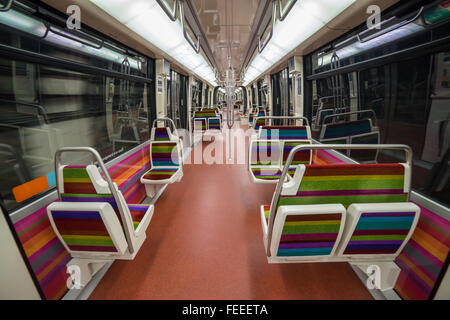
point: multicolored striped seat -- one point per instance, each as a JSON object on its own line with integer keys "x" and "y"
{"x": 310, "y": 213}
{"x": 79, "y": 188}
{"x": 380, "y": 229}
{"x": 301, "y": 157}
{"x": 214, "y": 124}
{"x": 346, "y": 129}
{"x": 265, "y": 153}
{"x": 127, "y": 174}
{"x": 90, "y": 219}
{"x": 309, "y": 235}
{"x": 160, "y": 174}
{"x": 260, "y": 122}
{"x": 88, "y": 229}
{"x": 166, "y": 163}
{"x": 308, "y": 232}
{"x": 207, "y": 119}
{"x": 267, "y": 159}
{"x": 161, "y": 134}
{"x": 164, "y": 154}
{"x": 285, "y": 133}
{"x": 348, "y": 184}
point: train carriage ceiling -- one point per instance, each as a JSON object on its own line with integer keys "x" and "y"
{"x": 230, "y": 26}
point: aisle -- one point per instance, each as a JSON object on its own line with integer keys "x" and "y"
{"x": 205, "y": 242}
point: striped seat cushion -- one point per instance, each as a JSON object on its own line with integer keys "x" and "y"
{"x": 83, "y": 231}
{"x": 309, "y": 235}
{"x": 301, "y": 157}
{"x": 205, "y": 114}
{"x": 214, "y": 124}
{"x": 77, "y": 180}
{"x": 284, "y": 133}
{"x": 348, "y": 184}
{"x": 210, "y": 110}
{"x": 127, "y": 174}
{"x": 347, "y": 129}
{"x": 265, "y": 153}
{"x": 160, "y": 173}
{"x": 270, "y": 173}
{"x": 260, "y": 122}
{"x": 423, "y": 260}
{"x": 164, "y": 154}
{"x": 380, "y": 232}
{"x": 85, "y": 191}
{"x": 161, "y": 134}
{"x": 138, "y": 212}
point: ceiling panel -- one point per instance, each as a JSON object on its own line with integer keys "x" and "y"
{"x": 227, "y": 25}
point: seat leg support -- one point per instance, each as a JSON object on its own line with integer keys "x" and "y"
{"x": 153, "y": 189}
{"x": 81, "y": 271}
{"x": 381, "y": 275}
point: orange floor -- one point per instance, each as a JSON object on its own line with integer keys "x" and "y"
{"x": 205, "y": 242}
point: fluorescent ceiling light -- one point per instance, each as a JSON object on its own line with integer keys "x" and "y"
{"x": 22, "y": 22}
{"x": 359, "y": 47}
{"x": 33, "y": 26}
{"x": 305, "y": 18}
{"x": 148, "y": 19}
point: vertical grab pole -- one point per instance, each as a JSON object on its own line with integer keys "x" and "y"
{"x": 231, "y": 97}
{"x": 333, "y": 82}
{"x": 230, "y": 121}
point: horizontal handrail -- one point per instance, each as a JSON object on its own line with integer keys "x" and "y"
{"x": 106, "y": 175}
{"x": 255, "y": 120}
{"x": 351, "y": 113}
{"x": 273, "y": 206}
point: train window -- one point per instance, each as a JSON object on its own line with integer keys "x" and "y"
{"x": 174, "y": 99}
{"x": 411, "y": 100}
{"x": 373, "y": 90}
{"x": 45, "y": 108}
{"x": 411, "y": 90}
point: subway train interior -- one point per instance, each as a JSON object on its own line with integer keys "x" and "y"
{"x": 224, "y": 150}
